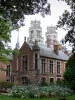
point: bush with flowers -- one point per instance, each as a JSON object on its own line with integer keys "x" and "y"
{"x": 34, "y": 91}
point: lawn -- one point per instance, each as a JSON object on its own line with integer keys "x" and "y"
{"x": 3, "y": 97}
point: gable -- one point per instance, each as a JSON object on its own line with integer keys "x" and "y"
{"x": 25, "y": 48}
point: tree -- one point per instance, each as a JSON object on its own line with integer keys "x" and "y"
{"x": 12, "y": 14}
{"x": 69, "y": 74}
{"x": 67, "y": 21}
{"x": 4, "y": 39}
{"x": 15, "y": 10}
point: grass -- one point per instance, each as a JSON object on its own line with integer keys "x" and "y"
{"x": 72, "y": 97}
{"x": 3, "y": 97}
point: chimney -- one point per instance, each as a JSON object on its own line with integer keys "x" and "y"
{"x": 48, "y": 42}
{"x": 56, "y": 49}
{"x": 60, "y": 47}
{"x": 66, "y": 52}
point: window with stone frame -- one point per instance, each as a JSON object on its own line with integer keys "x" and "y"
{"x": 58, "y": 67}
{"x": 43, "y": 66}
{"x": 8, "y": 70}
{"x": 51, "y": 80}
{"x": 51, "y": 66}
{"x": 36, "y": 61}
{"x": 24, "y": 63}
{"x": 24, "y": 80}
{"x": 43, "y": 80}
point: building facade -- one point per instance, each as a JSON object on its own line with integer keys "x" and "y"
{"x": 38, "y": 62}
{"x": 2, "y": 72}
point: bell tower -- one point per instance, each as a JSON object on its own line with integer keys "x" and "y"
{"x": 35, "y": 32}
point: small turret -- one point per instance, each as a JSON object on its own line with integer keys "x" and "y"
{"x": 35, "y": 46}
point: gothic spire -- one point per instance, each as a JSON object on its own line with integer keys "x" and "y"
{"x": 17, "y": 44}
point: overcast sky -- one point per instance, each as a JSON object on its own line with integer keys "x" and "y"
{"x": 57, "y": 8}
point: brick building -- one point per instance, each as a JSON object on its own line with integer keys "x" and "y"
{"x": 2, "y": 72}
{"x": 38, "y": 61}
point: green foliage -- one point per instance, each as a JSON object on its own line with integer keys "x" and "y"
{"x": 42, "y": 95}
{"x": 69, "y": 75}
{"x": 5, "y": 85}
{"x": 33, "y": 91}
{"x": 12, "y": 15}
{"x": 67, "y": 21}
{"x": 4, "y": 40}
{"x": 15, "y": 10}
{"x": 61, "y": 83}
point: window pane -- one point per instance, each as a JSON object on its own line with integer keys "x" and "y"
{"x": 51, "y": 67}
{"x": 24, "y": 63}
{"x": 42, "y": 66}
{"x": 8, "y": 70}
{"x": 43, "y": 81}
{"x": 58, "y": 67}
{"x": 51, "y": 80}
{"x": 24, "y": 80}
{"x": 36, "y": 61}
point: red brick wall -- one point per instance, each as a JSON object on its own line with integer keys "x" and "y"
{"x": 2, "y": 73}
{"x": 25, "y": 49}
{"x": 47, "y": 74}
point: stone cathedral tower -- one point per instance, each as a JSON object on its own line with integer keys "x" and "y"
{"x": 51, "y": 36}
{"x": 35, "y": 32}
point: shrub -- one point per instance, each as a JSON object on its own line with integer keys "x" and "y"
{"x": 69, "y": 74}
{"x": 43, "y": 84}
{"x": 31, "y": 94}
{"x": 61, "y": 83}
{"x": 5, "y": 85}
{"x": 42, "y": 95}
{"x": 31, "y": 91}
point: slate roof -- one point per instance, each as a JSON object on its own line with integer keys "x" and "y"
{"x": 48, "y": 52}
